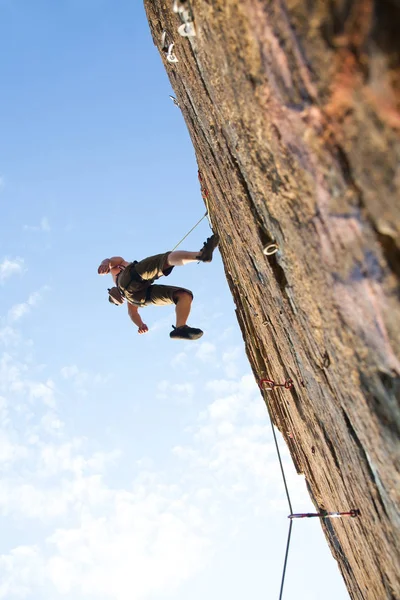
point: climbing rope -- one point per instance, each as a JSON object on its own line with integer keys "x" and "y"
{"x": 204, "y": 194}
{"x": 286, "y": 559}
{"x": 287, "y": 385}
{"x": 185, "y": 236}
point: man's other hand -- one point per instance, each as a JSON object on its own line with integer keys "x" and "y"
{"x": 104, "y": 268}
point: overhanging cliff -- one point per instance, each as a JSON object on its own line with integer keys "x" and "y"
{"x": 293, "y": 108}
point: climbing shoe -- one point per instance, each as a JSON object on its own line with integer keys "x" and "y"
{"x": 185, "y": 333}
{"x": 208, "y": 248}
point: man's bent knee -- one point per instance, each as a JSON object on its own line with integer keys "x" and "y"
{"x": 184, "y": 294}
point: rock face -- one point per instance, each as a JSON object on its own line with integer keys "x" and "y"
{"x": 293, "y": 108}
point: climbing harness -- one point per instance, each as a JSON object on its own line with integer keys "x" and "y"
{"x": 354, "y": 512}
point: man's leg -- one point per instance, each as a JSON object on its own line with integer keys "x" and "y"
{"x": 183, "y": 301}
{"x": 181, "y": 257}
{"x": 182, "y": 309}
{"x": 161, "y": 295}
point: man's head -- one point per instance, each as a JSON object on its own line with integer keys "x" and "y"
{"x": 115, "y": 296}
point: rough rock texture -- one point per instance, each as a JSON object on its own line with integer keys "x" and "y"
{"x": 293, "y": 107}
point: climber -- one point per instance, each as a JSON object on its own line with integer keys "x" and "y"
{"x": 134, "y": 283}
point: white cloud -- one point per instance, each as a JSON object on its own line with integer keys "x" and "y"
{"x": 17, "y": 311}
{"x": 96, "y": 538}
{"x": 115, "y": 541}
{"x": 9, "y": 451}
{"x": 82, "y": 380}
{"x": 51, "y": 423}
{"x": 206, "y": 352}
{"x": 183, "y": 390}
{"x": 69, "y": 371}
{"x": 179, "y": 360}
{"x": 68, "y": 457}
{"x": 230, "y": 360}
{"x": 8, "y": 336}
{"x": 222, "y": 408}
{"x": 9, "y": 267}
{"x": 2, "y": 183}
{"x": 117, "y": 557}
{"x": 42, "y": 390}
{"x": 44, "y": 225}
{"x": 177, "y": 392}
{"x": 21, "y": 567}
{"x": 16, "y": 383}
{"x": 232, "y": 441}
{"x": 221, "y": 386}
{"x": 158, "y": 522}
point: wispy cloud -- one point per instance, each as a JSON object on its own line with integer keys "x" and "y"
{"x": 163, "y": 520}
{"x": 230, "y": 360}
{"x": 94, "y": 557}
{"x": 58, "y": 480}
{"x": 43, "y": 391}
{"x": 2, "y": 183}
{"x": 9, "y": 267}
{"x": 44, "y": 225}
{"x": 179, "y": 360}
{"x": 176, "y": 392}
{"x": 9, "y": 336}
{"x": 206, "y": 352}
{"x": 17, "y": 311}
{"x": 83, "y": 380}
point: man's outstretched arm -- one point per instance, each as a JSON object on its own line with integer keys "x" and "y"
{"x": 136, "y": 318}
{"x": 108, "y": 263}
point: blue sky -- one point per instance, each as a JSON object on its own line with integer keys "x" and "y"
{"x": 131, "y": 467}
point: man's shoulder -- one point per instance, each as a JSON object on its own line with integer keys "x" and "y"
{"x": 125, "y": 264}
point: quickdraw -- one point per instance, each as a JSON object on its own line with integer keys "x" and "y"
{"x": 287, "y": 385}
{"x": 354, "y": 512}
{"x": 167, "y": 46}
